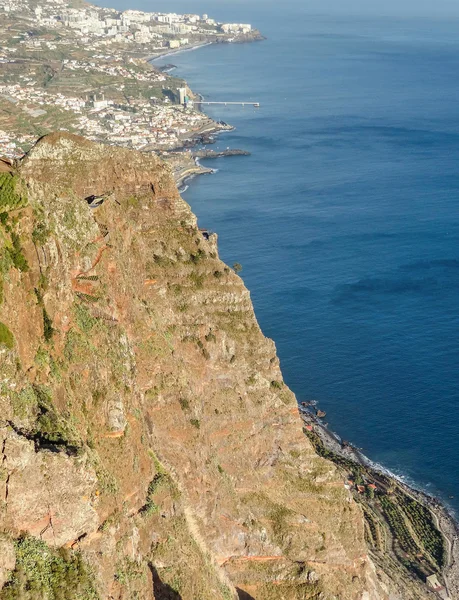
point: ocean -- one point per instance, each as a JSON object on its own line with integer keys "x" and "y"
{"x": 345, "y": 218}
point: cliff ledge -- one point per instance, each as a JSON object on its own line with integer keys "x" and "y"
{"x": 148, "y": 445}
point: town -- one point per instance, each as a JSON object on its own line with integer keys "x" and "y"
{"x": 85, "y": 69}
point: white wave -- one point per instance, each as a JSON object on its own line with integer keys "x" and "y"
{"x": 197, "y": 47}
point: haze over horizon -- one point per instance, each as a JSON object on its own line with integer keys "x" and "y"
{"x": 290, "y": 433}
{"x": 402, "y": 8}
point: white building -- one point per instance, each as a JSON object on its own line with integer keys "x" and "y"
{"x": 236, "y": 28}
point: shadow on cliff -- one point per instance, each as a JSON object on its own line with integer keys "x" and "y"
{"x": 244, "y": 595}
{"x": 161, "y": 590}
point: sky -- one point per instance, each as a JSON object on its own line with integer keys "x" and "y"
{"x": 386, "y": 7}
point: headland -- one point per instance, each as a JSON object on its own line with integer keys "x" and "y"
{"x": 410, "y": 538}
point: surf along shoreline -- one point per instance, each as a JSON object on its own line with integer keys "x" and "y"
{"x": 185, "y": 172}
{"x": 409, "y": 515}
{"x": 406, "y": 512}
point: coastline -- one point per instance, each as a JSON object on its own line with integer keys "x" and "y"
{"x": 184, "y": 164}
{"x": 381, "y": 488}
{"x": 187, "y": 172}
{"x": 350, "y": 459}
{"x": 254, "y": 37}
{"x": 188, "y": 48}
{"x": 443, "y": 517}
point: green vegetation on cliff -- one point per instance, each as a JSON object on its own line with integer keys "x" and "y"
{"x": 144, "y": 418}
{"x": 6, "y": 337}
{"x": 11, "y": 195}
{"x": 416, "y": 541}
{"x": 43, "y": 573}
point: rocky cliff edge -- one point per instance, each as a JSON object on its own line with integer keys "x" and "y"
{"x": 148, "y": 445}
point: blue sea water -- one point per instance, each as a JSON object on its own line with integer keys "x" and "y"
{"x": 346, "y": 218}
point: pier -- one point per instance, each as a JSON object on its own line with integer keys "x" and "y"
{"x": 185, "y": 100}
{"x": 255, "y": 104}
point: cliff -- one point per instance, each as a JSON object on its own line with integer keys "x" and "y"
{"x": 149, "y": 447}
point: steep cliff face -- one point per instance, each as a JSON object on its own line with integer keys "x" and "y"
{"x": 149, "y": 448}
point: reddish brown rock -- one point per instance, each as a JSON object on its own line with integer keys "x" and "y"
{"x": 193, "y": 463}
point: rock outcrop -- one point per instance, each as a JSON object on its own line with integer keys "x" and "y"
{"x": 145, "y": 429}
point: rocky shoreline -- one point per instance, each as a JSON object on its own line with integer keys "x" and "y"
{"x": 184, "y": 161}
{"x": 370, "y": 483}
{"x": 254, "y": 36}
{"x": 220, "y": 153}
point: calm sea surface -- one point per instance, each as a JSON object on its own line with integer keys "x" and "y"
{"x": 346, "y": 219}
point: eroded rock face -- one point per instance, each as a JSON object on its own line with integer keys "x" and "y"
{"x": 7, "y": 559}
{"x": 47, "y": 494}
{"x": 189, "y": 471}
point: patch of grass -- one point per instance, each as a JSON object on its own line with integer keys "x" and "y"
{"x": 76, "y": 346}
{"x": 40, "y": 234}
{"x": 197, "y": 279}
{"x": 17, "y": 257}
{"x": 98, "y": 394}
{"x": 42, "y": 357}
{"x": 196, "y": 423}
{"x": 160, "y": 479}
{"x": 129, "y": 570}
{"x": 43, "y": 573}
{"x": 11, "y": 196}
{"x": 184, "y": 403}
{"x": 24, "y": 402}
{"x": 5, "y": 265}
{"x": 83, "y": 318}
{"x": 162, "y": 261}
{"x": 6, "y": 337}
{"x": 197, "y": 257}
{"x": 278, "y": 515}
{"x": 50, "y": 426}
{"x": 113, "y": 519}
{"x": 398, "y": 526}
{"x": 132, "y": 202}
{"x": 55, "y": 369}
{"x": 276, "y": 385}
{"x": 176, "y": 289}
{"x": 107, "y": 481}
{"x": 423, "y": 524}
{"x": 152, "y": 394}
{"x": 70, "y": 218}
{"x": 158, "y": 466}
{"x": 48, "y": 330}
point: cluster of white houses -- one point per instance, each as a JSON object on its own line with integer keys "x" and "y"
{"x": 144, "y": 27}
